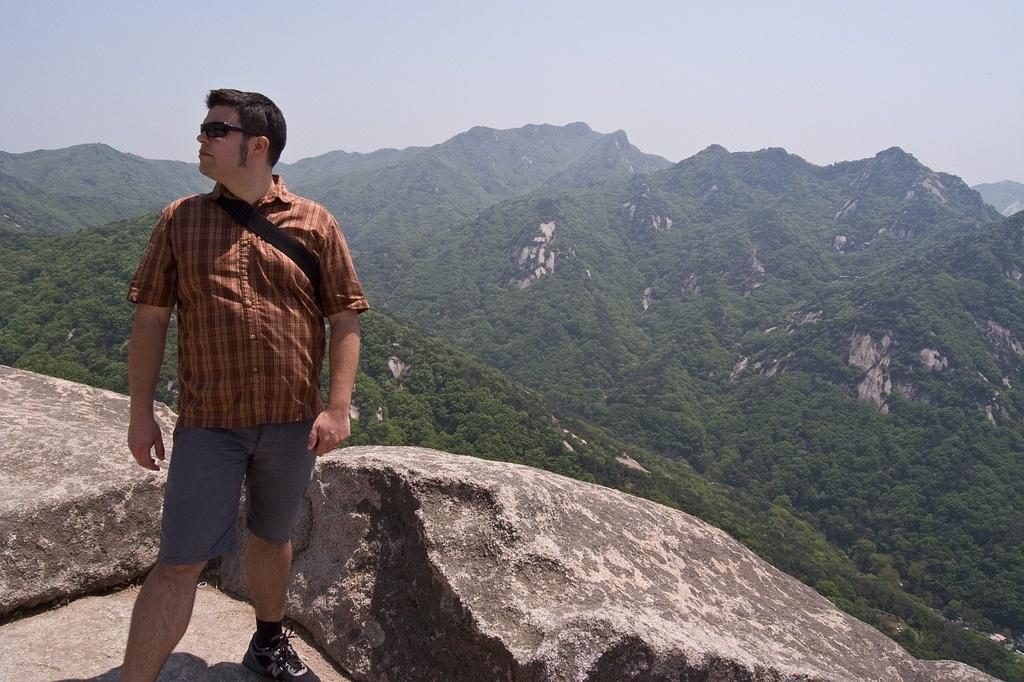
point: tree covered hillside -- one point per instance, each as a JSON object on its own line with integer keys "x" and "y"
{"x": 826, "y": 336}
{"x": 392, "y": 203}
{"x": 59, "y": 190}
{"x": 397, "y": 194}
{"x": 63, "y": 312}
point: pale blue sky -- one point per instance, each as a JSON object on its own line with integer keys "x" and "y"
{"x": 826, "y": 80}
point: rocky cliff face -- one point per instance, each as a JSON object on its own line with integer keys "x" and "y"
{"x": 417, "y": 564}
{"x": 76, "y": 515}
{"x": 413, "y": 564}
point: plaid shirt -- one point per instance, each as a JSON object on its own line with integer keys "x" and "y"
{"x": 250, "y": 331}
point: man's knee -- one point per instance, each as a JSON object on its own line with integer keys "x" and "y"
{"x": 178, "y": 573}
{"x": 265, "y": 546}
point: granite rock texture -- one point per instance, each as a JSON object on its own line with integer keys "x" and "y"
{"x": 85, "y": 640}
{"x": 77, "y": 514}
{"x": 413, "y": 564}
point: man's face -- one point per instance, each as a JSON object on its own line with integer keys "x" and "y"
{"x": 221, "y": 157}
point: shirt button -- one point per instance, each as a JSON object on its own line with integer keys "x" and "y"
{"x": 255, "y": 371}
{"x": 252, "y": 336}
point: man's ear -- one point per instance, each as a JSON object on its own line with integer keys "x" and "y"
{"x": 261, "y": 145}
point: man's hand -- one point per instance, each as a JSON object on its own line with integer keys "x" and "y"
{"x": 144, "y": 435}
{"x": 329, "y": 430}
{"x": 145, "y": 352}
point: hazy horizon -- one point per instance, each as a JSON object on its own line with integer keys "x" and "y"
{"x": 828, "y": 82}
{"x": 426, "y": 145}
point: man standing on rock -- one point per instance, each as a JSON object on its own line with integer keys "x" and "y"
{"x": 250, "y": 347}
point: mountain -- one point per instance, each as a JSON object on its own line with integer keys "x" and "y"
{"x": 53, "y": 191}
{"x": 399, "y": 194}
{"x": 391, "y": 203}
{"x": 413, "y": 389}
{"x": 1007, "y": 196}
{"x": 696, "y": 310}
{"x": 471, "y": 170}
{"x": 25, "y": 207}
{"x": 325, "y": 169}
{"x": 824, "y": 346}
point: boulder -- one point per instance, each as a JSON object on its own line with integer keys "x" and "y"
{"x": 413, "y": 564}
{"x": 77, "y": 514}
{"x": 86, "y": 640}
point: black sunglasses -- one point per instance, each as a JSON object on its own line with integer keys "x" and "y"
{"x": 215, "y": 129}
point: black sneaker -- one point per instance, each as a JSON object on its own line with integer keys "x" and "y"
{"x": 278, "y": 660}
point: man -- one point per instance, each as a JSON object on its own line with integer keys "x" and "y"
{"x": 250, "y": 346}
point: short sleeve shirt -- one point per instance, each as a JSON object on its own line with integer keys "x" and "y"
{"x": 250, "y": 328}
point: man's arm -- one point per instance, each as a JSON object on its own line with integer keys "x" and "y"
{"x": 145, "y": 354}
{"x": 332, "y": 425}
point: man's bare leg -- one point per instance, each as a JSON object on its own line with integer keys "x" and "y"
{"x": 266, "y": 574}
{"x": 160, "y": 617}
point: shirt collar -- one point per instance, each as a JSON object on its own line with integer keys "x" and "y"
{"x": 277, "y": 192}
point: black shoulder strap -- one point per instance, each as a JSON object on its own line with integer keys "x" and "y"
{"x": 249, "y": 218}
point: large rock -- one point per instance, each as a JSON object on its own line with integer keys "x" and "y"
{"x": 86, "y": 640}
{"x": 77, "y": 514}
{"x": 413, "y": 564}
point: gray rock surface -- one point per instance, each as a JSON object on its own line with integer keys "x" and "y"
{"x": 85, "y": 641}
{"x": 77, "y": 514}
{"x": 413, "y": 564}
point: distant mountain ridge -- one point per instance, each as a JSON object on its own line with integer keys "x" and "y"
{"x": 54, "y": 191}
{"x": 468, "y": 171}
{"x": 391, "y": 203}
{"x": 90, "y": 184}
{"x": 1007, "y": 196}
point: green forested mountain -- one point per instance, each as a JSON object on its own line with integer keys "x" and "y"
{"x": 324, "y": 171}
{"x": 391, "y": 203}
{"x": 824, "y": 361}
{"x": 54, "y": 191}
{"x": 1007, "y": 196}
{"x": 26, "y": 208}
{"x": 63, "y": 312}
{"x": 473, "y": 169}
{"x": 59, "y": 190}
{"x": 836, "y": 338}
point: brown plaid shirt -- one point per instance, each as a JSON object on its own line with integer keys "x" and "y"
{"x": 250, "y": 331}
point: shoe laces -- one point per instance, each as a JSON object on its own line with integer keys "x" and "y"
{"x": 282, "y": 652}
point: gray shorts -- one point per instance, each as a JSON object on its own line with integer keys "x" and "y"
{"x": 204, "y": 484}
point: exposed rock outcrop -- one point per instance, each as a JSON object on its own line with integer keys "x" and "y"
{"x": 933, "y": 360}
{"x": 803, "y": 317}
{"x": 756, "y": 276}
{"x": 77, "y": 514}
{"x": 416, "y": 564}
{"x": 866, "y": 352}
{"x": 874, "y": 356}
{"x": 627, "y": 461}
{"x": 1002, "y": 340}
{"x": 536, "y": 258}
{"x": 86, "y": 640}
{"x": 738, "y": 368}
{"x": 399, "y": 369}
{"x": 847, "y": 208}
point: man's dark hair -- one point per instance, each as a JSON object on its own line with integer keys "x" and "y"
{"x": 257, "y": 113}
